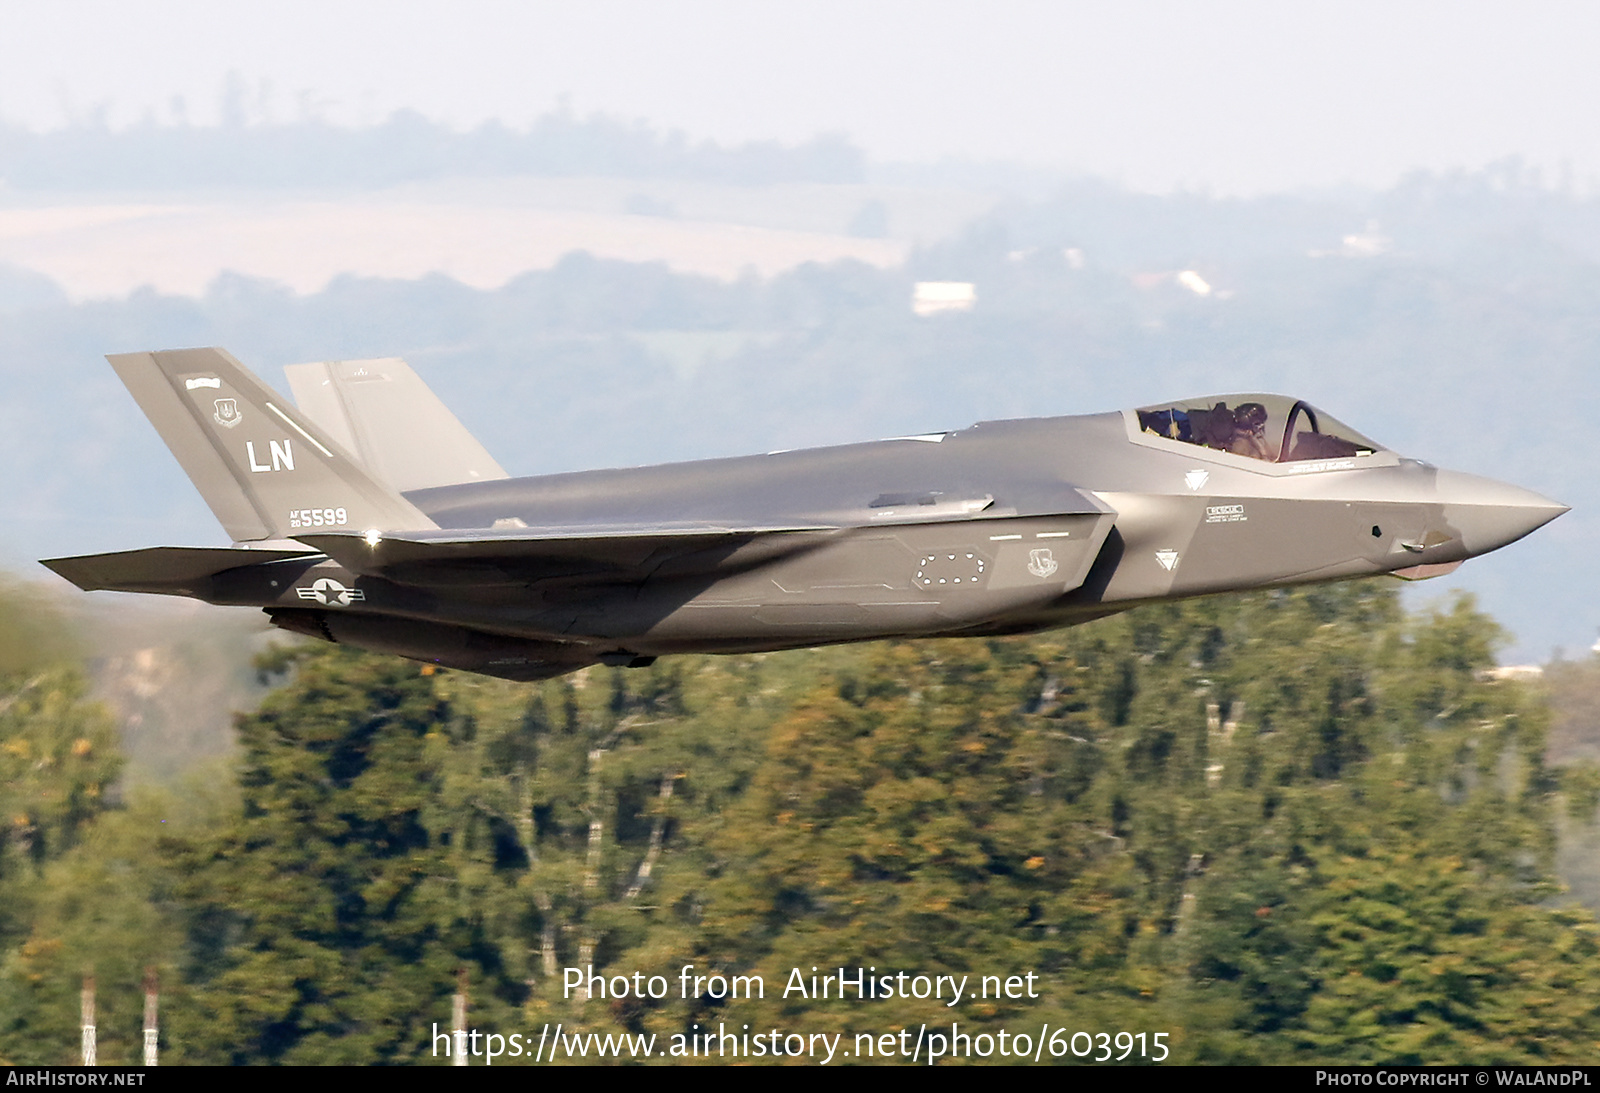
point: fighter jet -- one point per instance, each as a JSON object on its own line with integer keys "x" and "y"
{"x": 368, "y": 516}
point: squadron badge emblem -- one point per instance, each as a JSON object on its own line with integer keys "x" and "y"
{"x": 1041, "y": 562}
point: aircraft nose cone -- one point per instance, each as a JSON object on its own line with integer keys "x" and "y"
{"x": 1491, "y": 514}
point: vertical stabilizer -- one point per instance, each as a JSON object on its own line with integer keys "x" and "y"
{"x": 265, "y": 471}
{"x": 383, "y": 412}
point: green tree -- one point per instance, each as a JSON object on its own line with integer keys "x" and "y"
{"x": 58, "y": 766}
{"x": 323, "y": 924}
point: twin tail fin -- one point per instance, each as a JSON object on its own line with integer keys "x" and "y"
{"x": 266, "y": 471}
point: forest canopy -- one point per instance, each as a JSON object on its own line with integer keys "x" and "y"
{"x": 1289, "y": 827}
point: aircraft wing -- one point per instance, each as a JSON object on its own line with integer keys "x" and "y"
{"x": 600, "y": 552}
{"x": 594, "y": 551}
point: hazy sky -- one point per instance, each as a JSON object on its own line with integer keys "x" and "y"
{"x": 1241, "y": 97}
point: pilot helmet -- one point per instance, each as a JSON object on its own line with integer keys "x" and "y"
{"x": 1251, "y": 416}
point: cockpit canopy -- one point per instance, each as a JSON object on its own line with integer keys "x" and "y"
{"x": 1272, "y": 428}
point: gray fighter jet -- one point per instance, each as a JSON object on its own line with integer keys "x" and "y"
{"x": 368, "y": 516}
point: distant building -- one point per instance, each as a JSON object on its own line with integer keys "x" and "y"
{"x": 1184, "y": 278}
{"x": 932, "y": 297}
{"x": 1365, "y": 244}
{"x": 1525, "y": 673}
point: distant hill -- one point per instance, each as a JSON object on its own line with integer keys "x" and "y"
{"x": 405, "y": 148}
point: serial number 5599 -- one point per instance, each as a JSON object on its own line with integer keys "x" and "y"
{"x": 317, "y": 518}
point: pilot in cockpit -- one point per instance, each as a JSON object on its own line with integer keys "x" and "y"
{"x": 1249, "y": 432}
{"x": 1242, "y": 430}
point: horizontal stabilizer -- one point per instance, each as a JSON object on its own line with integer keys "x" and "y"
{"x": 172, "y": 571}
